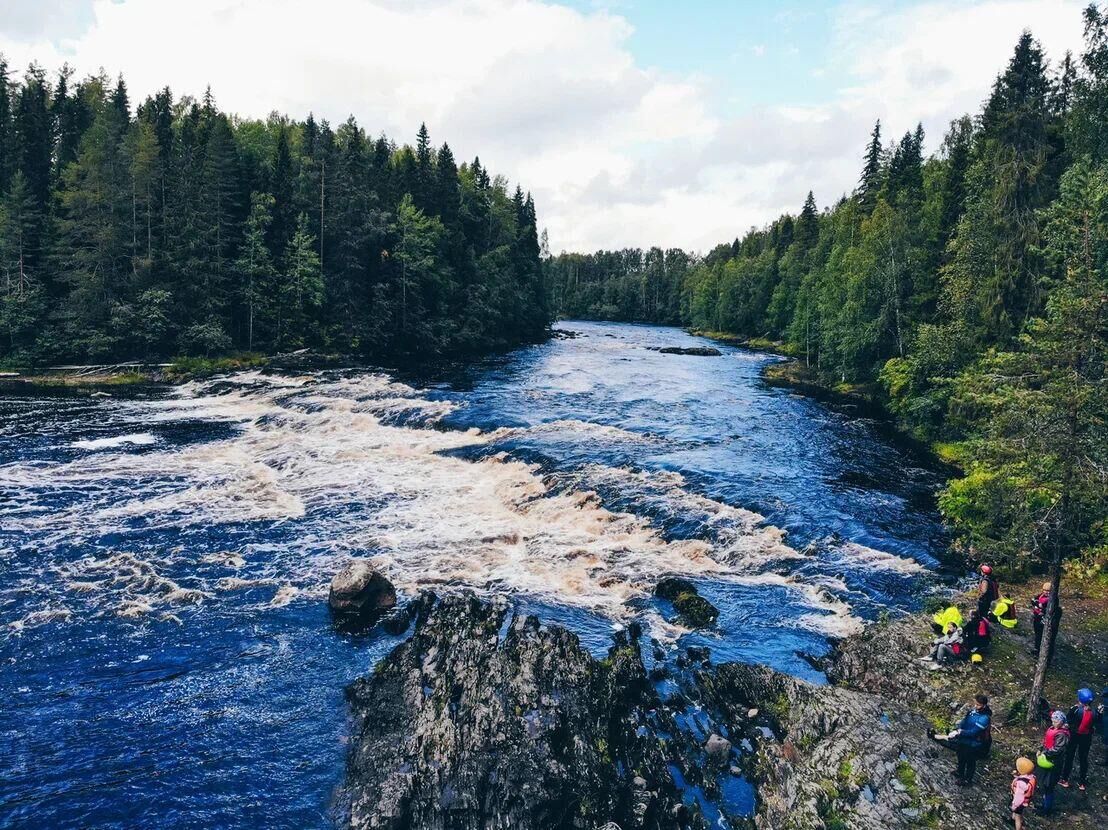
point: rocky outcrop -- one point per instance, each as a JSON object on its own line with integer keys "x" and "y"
{"x": 848, "y": 757}
{"x": 360, "y": 594}
{"x": 697, "y": 351}
{"x": 487, "y": 719}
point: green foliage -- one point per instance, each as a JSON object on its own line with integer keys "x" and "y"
{"x": 175, "y": 228}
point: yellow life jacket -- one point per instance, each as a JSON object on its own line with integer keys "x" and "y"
{"x": 947, "y": 616}
{"x": 1005, "y": 613}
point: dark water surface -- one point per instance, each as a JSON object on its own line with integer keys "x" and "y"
{"x": 165, "y": 653}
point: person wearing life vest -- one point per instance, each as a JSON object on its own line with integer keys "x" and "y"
{"x": 1038, "y": 617}
{"x": 988, "y": 591}
{"x": 941, "y": 619}
{"x": 1004, "y": 612}
{"x": 1083, "y": 720}
{"x": 1052, "y": 755}
{"x": 971, "y": 741}
{"x": 947, "y": 648}
{"x": 1023, "y": 789}
{"x": 977, "y": 633}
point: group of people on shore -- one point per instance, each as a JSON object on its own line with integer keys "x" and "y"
{"x": 1069, "y": 736}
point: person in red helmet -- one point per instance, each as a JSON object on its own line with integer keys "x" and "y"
{"x": 988, "y": 591}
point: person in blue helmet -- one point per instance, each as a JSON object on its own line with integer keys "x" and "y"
{"x": 1084, "y": 720}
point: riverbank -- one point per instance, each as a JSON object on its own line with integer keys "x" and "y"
{"x": 483, "y": 700}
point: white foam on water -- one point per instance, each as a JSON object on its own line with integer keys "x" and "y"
{"x": 141, "y": 439}
{"x": 339, "y": 461}
{"x": 859, "y": 556}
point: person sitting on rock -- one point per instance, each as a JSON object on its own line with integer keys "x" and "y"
{"x": 1051, "y": 756}
{"x": 971, "y": 741}
{"x": 1083, "y": 720}
{"x": 945, "y": 649}
{"x": 978, "y": 633}
{"x": 1023, "y": 789}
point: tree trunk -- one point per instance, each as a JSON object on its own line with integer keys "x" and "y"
{"x": 1050, "y": 632}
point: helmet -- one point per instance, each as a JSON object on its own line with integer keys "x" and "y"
{"x": 1046, "y": 587}
{"x": 1024, "y": 766}
{"x": 1085, "y": 695}
{"x": 1058, "y": 716}
{"x": 986, "y": 569}
{"x": 976, "y": 658}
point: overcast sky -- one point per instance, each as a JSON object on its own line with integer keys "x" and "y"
{"x": 633, "y": 122}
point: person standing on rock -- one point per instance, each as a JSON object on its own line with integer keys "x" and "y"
{"x": 971, "y": 741}
{"x": 1083, "y": 719}
{"x": 988, "y": 591}
{"x": 1023, "y": 789}
{"x": 1051, "y": 756}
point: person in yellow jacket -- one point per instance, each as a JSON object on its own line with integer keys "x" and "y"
{"x": 1004, "y": 612}
{"x": 941, "y": 619}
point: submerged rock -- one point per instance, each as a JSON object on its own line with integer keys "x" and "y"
{"x": 697, "y": 351}
{"x": 485, "y": 720}
{"x": 693, "y": 608}
{"x": 360, "y": 593}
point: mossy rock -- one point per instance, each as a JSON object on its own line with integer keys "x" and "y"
{"x": 695, "y": 610}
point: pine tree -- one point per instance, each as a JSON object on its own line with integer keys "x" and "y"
{"x": 1035, "y": 484}
{"x": 301, "y": 290}
{"x": 254, "y": 268}
{"x": 7, "y": 129}
{"x": 870, "y": 183}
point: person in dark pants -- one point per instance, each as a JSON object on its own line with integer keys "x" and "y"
{"x": 988, "y": 591}
{"x": 1083, "y": 720}
{"x": 971, "y": 741}
{"x": 1038, "y": 616}
{"x": 1051, "y": 755}
{"x": 977, "y": 634}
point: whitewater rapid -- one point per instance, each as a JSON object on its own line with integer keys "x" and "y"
{"x": 361, "y": 463}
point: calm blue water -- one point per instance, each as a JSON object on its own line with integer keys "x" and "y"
{"x": 166, "y": 655}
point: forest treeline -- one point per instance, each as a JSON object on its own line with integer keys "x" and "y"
{"x": 968, "y": 286}
{"x": 172, "y": 228}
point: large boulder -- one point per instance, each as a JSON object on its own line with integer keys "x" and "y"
{"x": 360, "y": 593}
{"x": 487, "y": 719}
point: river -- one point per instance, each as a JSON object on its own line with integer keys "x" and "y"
{"x": 165, "y": 648}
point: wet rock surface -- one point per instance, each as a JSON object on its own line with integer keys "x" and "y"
{"x": 360, "y": 594}
{"x": 687, "y": 602}
{"x": 486, "y": 719}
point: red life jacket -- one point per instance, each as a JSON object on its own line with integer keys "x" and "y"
{"x": 1039, "y": 606}
{"x": 1029, "y": 793}
{"x": 1048, "y": 738}
{"x": 1085, "y": 727}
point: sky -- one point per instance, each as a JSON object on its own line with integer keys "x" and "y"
{"x": 632, "y": 122}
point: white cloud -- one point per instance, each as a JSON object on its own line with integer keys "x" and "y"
{"x": 616, "y": 152}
